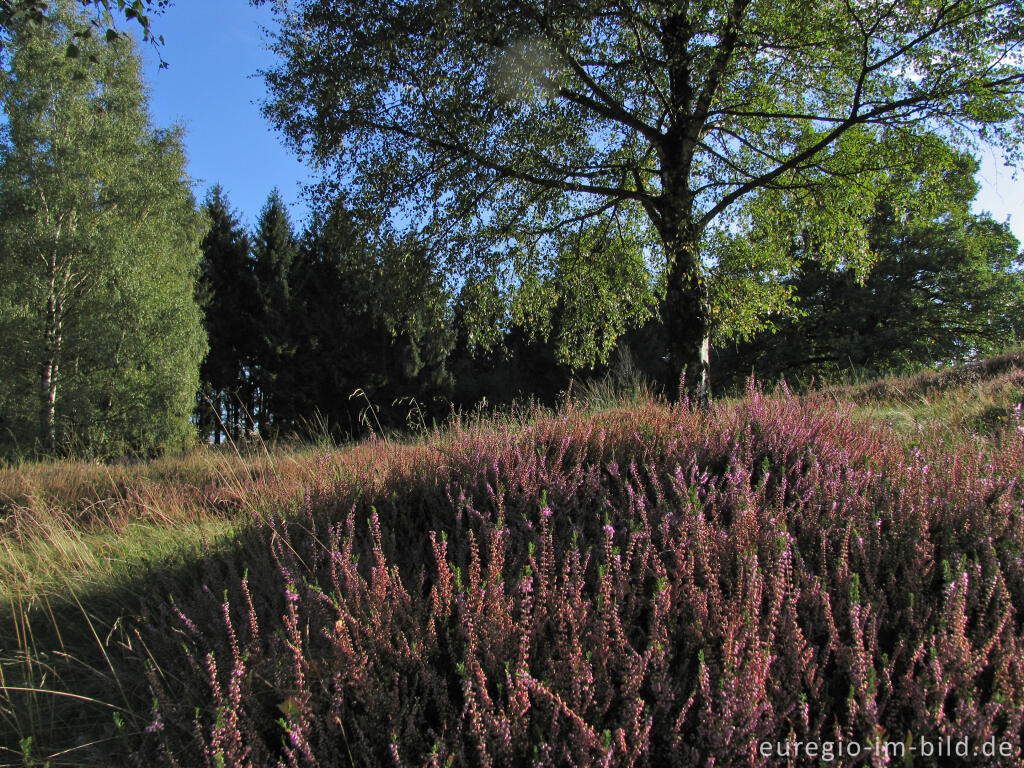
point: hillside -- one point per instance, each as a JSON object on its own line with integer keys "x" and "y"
{"x": 637, "y": 585}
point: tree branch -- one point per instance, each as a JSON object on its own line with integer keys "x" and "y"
{"x": 505, "y": 169}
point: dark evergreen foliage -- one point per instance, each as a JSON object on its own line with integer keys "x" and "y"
{"x": 227, "y": 291}
{"x": 368, "y": 314}
{"x": 351, "y": 329}
{"x": 274, "y": 249}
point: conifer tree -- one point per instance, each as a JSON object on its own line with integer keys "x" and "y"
{"x": 227, "y": 292}
{"x": 274, "y": 249}
{"x": 371, "y": 313}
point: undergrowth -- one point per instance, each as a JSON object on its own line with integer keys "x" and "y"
{"x": 641, "y": 584}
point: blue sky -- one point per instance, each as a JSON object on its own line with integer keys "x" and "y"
{"x": 214, "y": 49}
{"x": 1001, "y": 194}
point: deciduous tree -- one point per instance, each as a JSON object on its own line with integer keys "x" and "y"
{"x": 948, "y": 285}
{"x": 98, "y": 249}
{"x": 17, "y": 12}
{"x": 499, "y": 127}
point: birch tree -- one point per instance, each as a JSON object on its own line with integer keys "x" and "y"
{"x": 500, "y": 127}
{"x": 99, "y": 244}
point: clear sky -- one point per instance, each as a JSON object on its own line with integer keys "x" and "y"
{"x": 1001, "y": 194}
{"x": 214, "y": 49}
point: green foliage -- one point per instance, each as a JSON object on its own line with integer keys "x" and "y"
{"x": 507, "y": 133}
{"x": 825, "y": 208}
{"x": 227, "y": 292}
{"x": 602, "y": 284}
{"x": 98, "y": 240}
{"x": 519, "y": 365}
{"x": 297, "y": 325}
{"x": 274, "y": 250}
{"x": 17, "y": 12}
{"x": 368, "y": 310}
{"x": 943, "y": 284}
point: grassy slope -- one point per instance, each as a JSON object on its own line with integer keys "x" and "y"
{"x": 977, "y": 397}
{"x": 83, "y": 545}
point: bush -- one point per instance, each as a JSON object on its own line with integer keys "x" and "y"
{"x": 654, "y": 586}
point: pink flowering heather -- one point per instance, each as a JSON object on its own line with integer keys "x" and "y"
{"x": 651, "y": 587}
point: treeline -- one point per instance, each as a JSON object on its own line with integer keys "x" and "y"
{"x": 345, "y": 328}
{"x": 299, "y": 324}
{"x": 133, "y": 321}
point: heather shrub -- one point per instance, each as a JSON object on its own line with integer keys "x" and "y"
{"x": 650, "y": 586}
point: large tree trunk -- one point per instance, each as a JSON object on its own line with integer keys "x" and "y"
{"x": 687, "y": 309}
{"x": 687, "y": 312}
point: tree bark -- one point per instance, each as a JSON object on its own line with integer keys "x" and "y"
{"x": 53, "y": 333}
{"x": 687, "y": 309}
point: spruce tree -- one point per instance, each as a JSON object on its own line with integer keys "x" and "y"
{"x": 371, "y": 313}
{"x": 227, "y": 291}
{"x": 274, "y": 250}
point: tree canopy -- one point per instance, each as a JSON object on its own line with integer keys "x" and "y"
{"x": 947, "y": 285}
{"x": 274, "y": 249}
{"x": 227, "y": 293}
{"x": 521, "y": 135}
{"x": 99, "y": 236}
{"x": 369, "y": 313}
{"x": 15, "y": 12}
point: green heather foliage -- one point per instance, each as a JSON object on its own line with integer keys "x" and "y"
{"x": 645, "y": 586}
